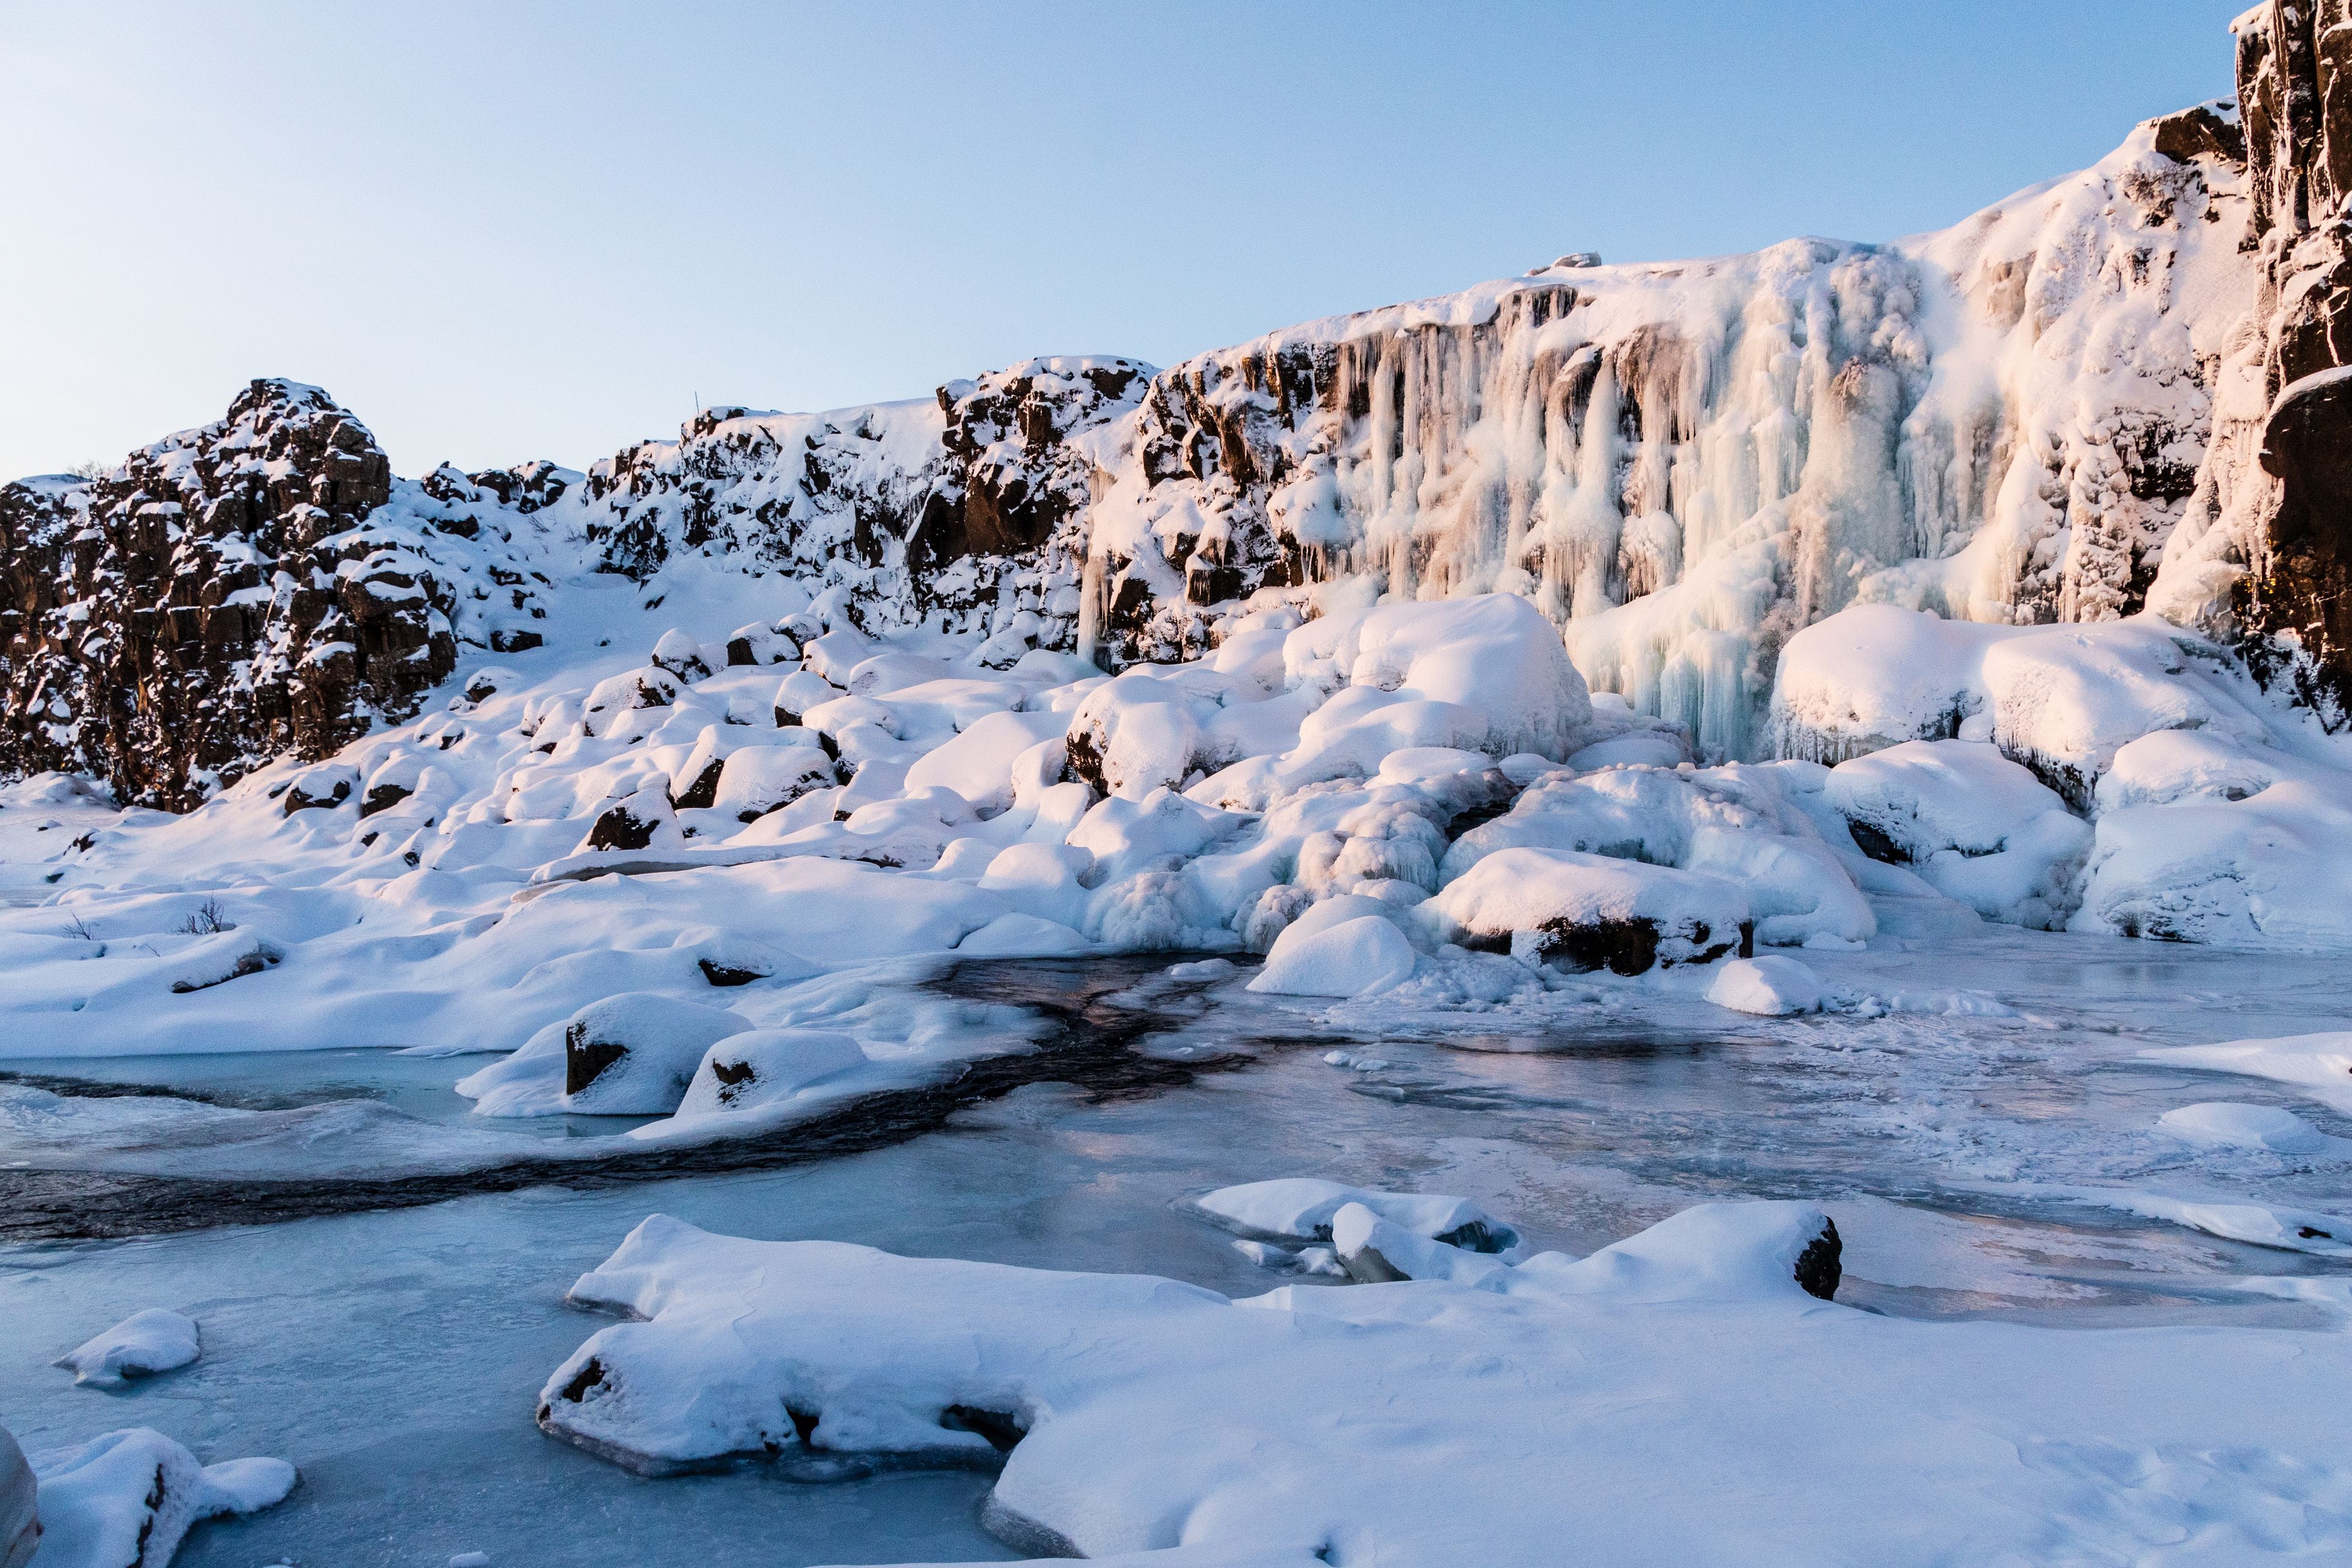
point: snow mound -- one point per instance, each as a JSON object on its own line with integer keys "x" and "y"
{"x": 1770, "y": 987}
{"x": 763, "y": 1067}
{"x": 1352, "y": 958}
{"x": 634, "y": 1054}
{"x": 1324, "y": 1419}
{"x": 2222, "y": 1124}
{"x": 1588, "y": 911}
{"x": 140, "y": 1345}
{"x": 128, "y": 1499}
{"x": 1979, "y": 828}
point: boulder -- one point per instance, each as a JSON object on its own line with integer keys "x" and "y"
{"x": 634, "y": 1054}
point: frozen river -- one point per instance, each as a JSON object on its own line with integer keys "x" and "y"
{"x": 1962, "y": 1139}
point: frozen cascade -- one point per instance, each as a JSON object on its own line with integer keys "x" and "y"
{"x": 1687, "y": 463}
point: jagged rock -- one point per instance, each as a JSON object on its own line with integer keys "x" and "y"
{"x": 226, "y": 596}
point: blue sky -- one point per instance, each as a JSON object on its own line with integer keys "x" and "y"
{"x": 501, "y": 232}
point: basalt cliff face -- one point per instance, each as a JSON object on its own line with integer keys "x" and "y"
{"x": 260, "y": 585}
{"x": 2107, "y": 394}
{"x": 2272, "y": 534}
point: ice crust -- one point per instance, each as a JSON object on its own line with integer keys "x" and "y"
{"x": 1313, "y": 1419}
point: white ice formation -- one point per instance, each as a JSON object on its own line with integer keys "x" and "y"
{"x": 142, "y": 1346}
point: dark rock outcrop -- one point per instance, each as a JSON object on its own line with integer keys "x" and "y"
{"x": 226, "y": 596}
{"x": 2295, "y": 87}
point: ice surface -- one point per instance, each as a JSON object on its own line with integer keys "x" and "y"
{"x": 142, "y": 1345}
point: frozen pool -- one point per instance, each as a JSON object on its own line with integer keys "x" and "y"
{"x": 394, "y": 1354}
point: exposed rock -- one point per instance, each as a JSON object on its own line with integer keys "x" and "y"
{"x": 230, "y": 594}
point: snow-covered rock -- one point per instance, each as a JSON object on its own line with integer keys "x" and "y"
{"x": 634, "y": 1054}
{"x": 763, "y": 1066}
{"x": 2220, "y": 1124}
{"x": 1590, "y": 912}
{"x": 1301, "y": 1208}
{"x": 146, "y": 1342}
{"x": 1977, "y": 827}
{"x": 1354, "y": 957}
{"x": 128, "y": 1499}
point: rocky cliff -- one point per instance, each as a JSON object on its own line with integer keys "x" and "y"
{"x": 258, "y": 586}
{"x": 2103, "y": 394}
{"x": 2266, "y": 552}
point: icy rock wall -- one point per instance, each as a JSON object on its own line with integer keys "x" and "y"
{"x": 965, "y": 512}
{"x": 2265, "y": 550}
{"x": 230, "y": 594}
{"x": 1686, "y": 464}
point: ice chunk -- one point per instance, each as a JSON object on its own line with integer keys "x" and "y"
{"x": 1354, "y": 958}
{"x": 1376, "y": 1251}
{"x": 634, "y": 1054}
{"x": 142, "y": 1345}
{"x": 1300, "y": 1208}
{"x": 1588, "y": 911}
{"x": 1770, "y": 987}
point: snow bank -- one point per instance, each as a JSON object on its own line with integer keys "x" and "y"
{"x": 1771, "y": 986}
{"x": 1328, "y": 1419}
{"x": 2319, "y": 1064}
{"x": 140, "y": 1345}
{"x": 128, "y": 1499}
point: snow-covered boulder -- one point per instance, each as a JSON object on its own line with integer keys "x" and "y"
{"x": 1354, "y": 957}
{"x": 1770, "y": 987}
{"x": 2204, "y": 838}
{"x": 764, "y": 1067}
{"x": 634, "y": 1054}
{"x": 2220, "y": 1124}
{"x": 2059, "y": 699}
{"x": 757, "y": 780}
{"x": 1590, "y": 912}
{"x": 978, "y": 764}
{"x": 142, "y": 1345}
{"x": 128, "y": 1499}
{"x": 1980, "y": 828}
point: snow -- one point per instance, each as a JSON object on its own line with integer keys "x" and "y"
{"x": 2220, "y": 1124}
{"x": 1589, "y": 911}
{"x": 1205, "y": 1423}
{"x": 1979, "y": 828}
{"x": 128, "y": 1499}
{"x": 146, "y": 1342}
{"x": 20, "y": 1525}
{"x": 1352, "y": 958}
{"x": 1301, "y": 1209}
{"x": 2321, "y": 1064}
{"x": 1772, "y": 987}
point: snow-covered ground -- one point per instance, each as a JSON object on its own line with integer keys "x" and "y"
{"x": 790, "y": 932}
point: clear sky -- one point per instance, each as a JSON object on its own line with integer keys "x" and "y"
{"x": 507, "y": 231}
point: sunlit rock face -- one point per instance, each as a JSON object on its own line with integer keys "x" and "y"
{"x": 259, "y": 585}
{"x": 2265, "y": 544}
